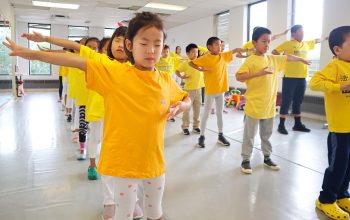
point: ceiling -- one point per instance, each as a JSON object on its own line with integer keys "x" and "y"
{"x": 106, "y": 13}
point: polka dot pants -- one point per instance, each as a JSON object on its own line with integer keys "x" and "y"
{"x": 126, "y": 196}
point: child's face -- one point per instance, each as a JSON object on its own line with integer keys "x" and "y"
{"x": 262, "y": 44}
{"x": 193, "y": 54}
{"x": 166, "y": 53}
{"x": 117, "y": 48}
{"x": 215, "y": 48}
{"x": 298, "y": 35}
{"x": 146, "y": 47}
{"x": 343, "y": 52}
{"x": 104, "y": 48}
{"x": 178, "y": 50}
{"x": 92, "y": 45}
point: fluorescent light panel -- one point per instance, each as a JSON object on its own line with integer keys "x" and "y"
{"x": 165, "y": 6}
{"x": 55, "y": 5}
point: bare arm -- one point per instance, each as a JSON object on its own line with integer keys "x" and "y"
{"x": 320, "y": 40}
{"x": 245, "y": 76}
{"x": 295, "y": 58}
{"x": 274, "y": 52}
{"x": 61, "y": 59}
{"x": 239, "y": 55}
{"x": 276, "y": 36}
{"x": 197, "y": 67}
{"x": 37, "y": 37}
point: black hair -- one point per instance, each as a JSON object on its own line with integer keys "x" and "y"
{"x": 295, "y": 28}
{"x": 177, "y": 47}
{"x": 103, "y": 43}
{"x": 259, "y": 32}
{"x": 166, "y": 47}
{"x": 120, "y": 31}
{"x": 142, "y": 20}
{"x": 190, "y": 47}
{"x": 211, "y": 40}
{"x": 337, "y": 37}
{"x": 92, "y": 39}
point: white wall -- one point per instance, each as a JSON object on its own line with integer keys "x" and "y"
{"x": 196, "y": 32}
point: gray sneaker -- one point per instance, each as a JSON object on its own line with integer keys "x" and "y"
{"x": 270, "y": 164}
{"x": 245, "y": 167}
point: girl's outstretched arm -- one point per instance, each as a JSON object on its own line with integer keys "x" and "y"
{"x": 60, "y": 59}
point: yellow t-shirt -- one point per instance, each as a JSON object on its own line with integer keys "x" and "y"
{"x": 95, "y": 104}
{"x": 262, "y": 91}
{"x": 296, "y": 69}
{"x": 136, "y": 106}
{"x": 63, "y": 71}
{"x": 195, "y": 81}
{"x": 72, "y": 81}
{"x": 166, "y": 65}
{"x": 249, "y": 45}
{"x": 216, "y": 80}
{"x": 203, "y": 49}
{"x": 337, "y": 103}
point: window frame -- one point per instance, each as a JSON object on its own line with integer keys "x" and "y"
{"x": 29, "y": 26}
{"x": 248, "y": 17}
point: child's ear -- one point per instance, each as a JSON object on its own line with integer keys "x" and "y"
{"x": 337, "y": 50}
{"x": 128, "y": 45}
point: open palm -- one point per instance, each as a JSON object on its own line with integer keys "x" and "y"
{"x": 35, "y": 36}
{"x": 18, "y": 50}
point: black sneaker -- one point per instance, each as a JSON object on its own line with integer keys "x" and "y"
{"x": 245, "y": 167}
{"x": 197, "y": 130}
{"x": 270, "y": 164}
{"x": 282, "y": 130}
{"x": 222, "y": 140}
{"x": 201, "y": 142}
{"x": 69, "y": 118}
{"x": 301, "y": 128}
{"x": 185, "y": 131}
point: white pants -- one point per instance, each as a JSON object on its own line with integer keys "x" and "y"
{"x": 95, "y": 136}
{"x": 123, "y": 193}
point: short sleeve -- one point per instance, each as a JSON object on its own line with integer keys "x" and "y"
{"x": 201, "y": 61}
{"x": 311, "y": 44}
{"x": 228, "y": 56}
{"x": 281, "y": 61}
{"x": 176, "y": 93}
{"x": 244, "y": 68}
{"x": 102, "y": 77}
{"x": 282, "y": 47}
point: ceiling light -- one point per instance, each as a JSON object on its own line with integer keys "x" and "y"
{"x": 165, "y": 6}
{"x": 55, "y": 5}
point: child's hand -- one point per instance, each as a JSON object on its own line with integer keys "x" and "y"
{"x": 43, "y": 48}
{"x": 205, "y": 69}
{"x": 185, "y": 77}
{"x": 176, "y": 109}
{"x": 345, "y": 87}
{"x": 307, "y": 62}
{"x": 265, "y": 71}
{"x": 35, "y": 36}
{"x": 18, "y": 50}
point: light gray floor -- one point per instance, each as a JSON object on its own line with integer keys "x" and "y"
{"x": 41, "y": 179}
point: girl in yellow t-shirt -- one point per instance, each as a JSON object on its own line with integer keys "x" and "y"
{"x": 130, "y": 159}
{"x": 110, "y": 50}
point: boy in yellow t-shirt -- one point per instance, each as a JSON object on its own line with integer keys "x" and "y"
{"x": 294, "y": 80}
{"x": 259, "y": 72}
{"x": 193, "y": 84}
{"x": 214, "y": 65}
{"x": 334, "y": 81}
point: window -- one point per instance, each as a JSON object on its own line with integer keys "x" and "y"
{"x": 77, "y": 32}
{"x": 222, "y": 27}
{"x": 5, "y": 59}
{"x": 312, "y": 25}
{"x": 257, "y": 16}
{"x": 109, "y": 32}
{"x": 37, "y": 67}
